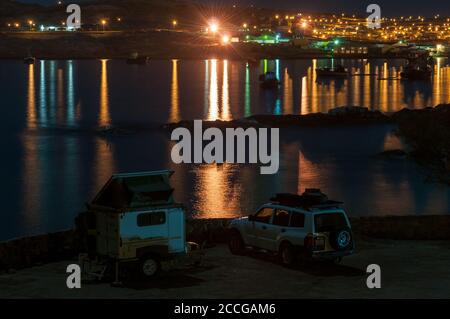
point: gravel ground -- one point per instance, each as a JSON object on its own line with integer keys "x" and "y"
{"x": 410, "y": 269}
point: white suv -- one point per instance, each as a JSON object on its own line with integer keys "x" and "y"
{"x": 306, "y": 226}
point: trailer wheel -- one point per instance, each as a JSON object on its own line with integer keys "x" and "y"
{"x": 150, "y": 266}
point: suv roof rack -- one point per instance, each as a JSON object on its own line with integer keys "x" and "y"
{"x": 311, "y": 198}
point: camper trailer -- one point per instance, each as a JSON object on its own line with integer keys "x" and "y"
{"x": 134, "y": 220}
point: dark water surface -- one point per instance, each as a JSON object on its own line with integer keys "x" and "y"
{"x": 53, "y": 159}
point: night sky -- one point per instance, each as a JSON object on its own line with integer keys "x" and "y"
{"x": 389, "y": 7}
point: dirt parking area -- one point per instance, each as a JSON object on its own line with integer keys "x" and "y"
{"x": 410, "y": 269}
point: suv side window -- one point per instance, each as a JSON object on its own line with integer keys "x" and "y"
{"x": 264, "y": 215}
{"x": 297, "y": 220}
{"x": 281, "y": 218}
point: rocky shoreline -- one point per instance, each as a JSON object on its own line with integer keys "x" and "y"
{"x": 160, "y": 44}
{"x": 426, "y": 131}
{"x": 154, "y": 43}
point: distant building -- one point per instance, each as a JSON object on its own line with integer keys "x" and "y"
{"x": 266, "y": 39}
{"x": 52, "y": 28}
{"x": 351, "y": 49}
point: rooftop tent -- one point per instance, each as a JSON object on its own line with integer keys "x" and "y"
{"x": 310, "y": 198}
{"x": 136, "y": 190}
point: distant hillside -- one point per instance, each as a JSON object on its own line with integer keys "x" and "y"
{"x": 132, "y": 13}
{"x": 9, "y": 8}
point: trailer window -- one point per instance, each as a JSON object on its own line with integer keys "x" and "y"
{"x": 151, "y": 219}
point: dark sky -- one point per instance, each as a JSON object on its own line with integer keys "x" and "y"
{"x": 389, "y": 7}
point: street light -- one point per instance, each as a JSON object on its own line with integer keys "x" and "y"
{"x": 213, "y": 27}
{"x": 225, "y": 39}
{"x": 174, "y": 23}
{"x": 30, "y": 22}
{"x": 103, "y": 24}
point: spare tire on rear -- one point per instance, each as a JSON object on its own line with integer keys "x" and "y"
{"x": 341, "y": 239}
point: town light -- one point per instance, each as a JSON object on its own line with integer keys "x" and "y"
{"x": 213, "y": 27}
{"x": 103, "y": 22}
{"x": 244, "y": 25}
{"x": 174, "y": 23}
{"x": 225, "y": 39}
{"x": 304, "y": 25}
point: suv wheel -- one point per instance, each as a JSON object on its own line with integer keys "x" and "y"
{"x": 287, "y": 254}
{"x": 236, "y": 243}
{"x": 149, "y": 267}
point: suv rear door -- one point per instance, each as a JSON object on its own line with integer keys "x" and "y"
{"x": 327, "y": 224}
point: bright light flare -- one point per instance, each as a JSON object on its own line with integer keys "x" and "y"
{"x": 225, "y": 39}
{"x": 213, "y": 27}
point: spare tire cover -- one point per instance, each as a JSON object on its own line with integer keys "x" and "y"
{"x": 341, "y": 239}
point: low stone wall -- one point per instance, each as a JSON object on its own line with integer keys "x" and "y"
{"x": 435, "y": 227}
{"x": 29, "y": 251}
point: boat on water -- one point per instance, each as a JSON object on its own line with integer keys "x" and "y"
{"x": 136, "y": 59}
{"x": 29, "y": 60}
{"x": 269, "y": 81}
{"x": 416, "y": 73}
{"x": 336, "y": 71}
{"x": 418, "y": 68}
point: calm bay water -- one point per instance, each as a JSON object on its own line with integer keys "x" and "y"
{"x": 53, "y": 161}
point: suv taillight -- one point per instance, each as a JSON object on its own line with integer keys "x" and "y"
{"x": 314, "y": 242}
